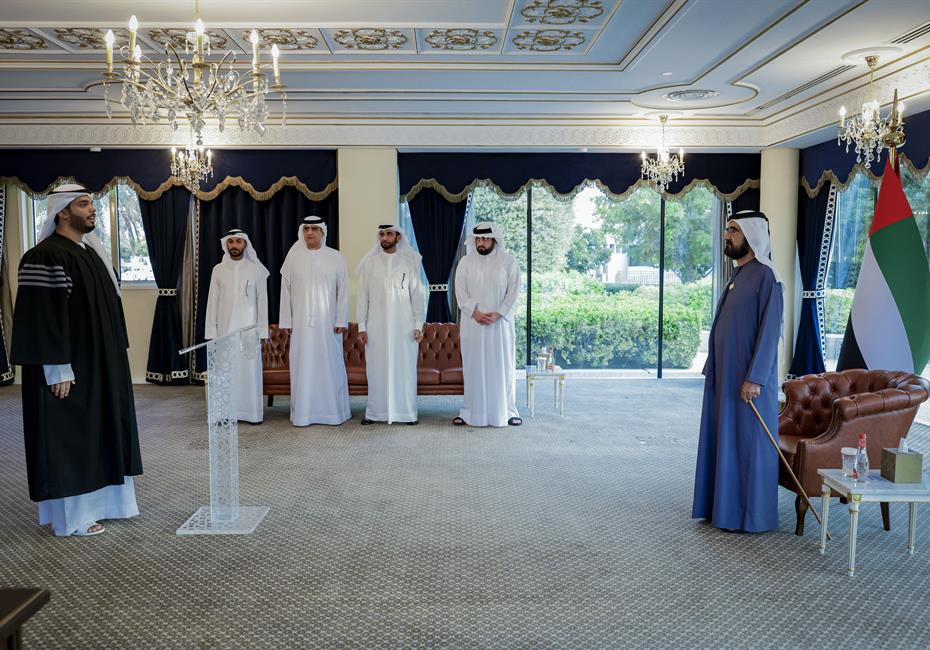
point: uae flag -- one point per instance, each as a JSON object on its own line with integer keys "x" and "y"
{"x": 889, "y": 325}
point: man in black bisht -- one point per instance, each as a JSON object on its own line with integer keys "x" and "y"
{"x": 69, "y": 336}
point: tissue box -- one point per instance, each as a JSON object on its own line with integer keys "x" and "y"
{"x": 902, "y": 467}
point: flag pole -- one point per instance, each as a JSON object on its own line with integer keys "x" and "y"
{"x": 894, "y": 137}
{"x": 784, "y": 461}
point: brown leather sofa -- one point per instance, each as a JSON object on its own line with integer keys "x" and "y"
{"x": 439, "y": 368}
{"x": 828, "y": 411}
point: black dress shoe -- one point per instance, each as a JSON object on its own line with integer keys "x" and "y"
{"x": 410, "y": 424}
{"x": 366, "y": 421}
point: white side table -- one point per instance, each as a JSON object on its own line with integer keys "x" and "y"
{"x": 870, "y": 491}
{"x": 557, "y": 376}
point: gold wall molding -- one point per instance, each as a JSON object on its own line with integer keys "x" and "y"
{"x": 461, "y": 40}
{"x": 562, "y": 12}
{"x": 548, "y": 40}
{"x": 21, "y": 40}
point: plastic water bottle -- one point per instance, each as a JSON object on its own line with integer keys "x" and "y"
{"x": 861, "y": 470}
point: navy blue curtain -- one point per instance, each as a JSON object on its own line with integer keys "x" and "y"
{"x": 38, "y": 168}
{"x": 272, "y": 227}
{"x": 6, "y": 371}
{"x": 748, "y": 200}
{"x": 165, "y": 223}
{"x": 437, "y": 224}
{"x": 565, "y": 171}
{"x": 812, "y": 215}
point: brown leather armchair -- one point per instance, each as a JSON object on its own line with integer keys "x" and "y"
{"x": 826, "y": 412}
{"x": 439, "y": 366}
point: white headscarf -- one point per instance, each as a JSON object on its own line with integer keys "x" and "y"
{"x": 403, "y": 246}
{"x": 485, "y": 229}
{"x": 249, "y": 252}
{"x": 307, "y": 221}
{"x": 59, "y": 199}
{"x": 755, "y": 228}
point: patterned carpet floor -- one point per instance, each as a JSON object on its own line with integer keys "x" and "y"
{"x": 569, "y": 532}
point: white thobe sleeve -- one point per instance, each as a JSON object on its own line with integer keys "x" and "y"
{"x": 417, "y": 299}
{"x": 58, "y": 373}
{"x": 467, "y": 303}
{"x": 505, "y": 309}
{"x": 284, "y": 314}
{"x": 342, "y": 295}
{"x": 262, "y": 318}
{"x": 211, "y": 320}
{"x": 361, "y": 300}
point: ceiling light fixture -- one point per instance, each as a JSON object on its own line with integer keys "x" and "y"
{"x": 665, "y": 167}
{"x": 190, "y": 86}
{"x": 867, "y": 130}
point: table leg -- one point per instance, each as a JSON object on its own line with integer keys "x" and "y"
{"x": 824, "y": 514}
{"x": 562, "y": 396}
{"x": 911, "y": 526}
{"x": 853, "y": 529}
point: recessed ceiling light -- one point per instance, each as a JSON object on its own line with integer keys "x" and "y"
{"x": 666, "y": 74}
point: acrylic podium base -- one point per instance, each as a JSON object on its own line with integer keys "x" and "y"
{"x": 201, "y": 523}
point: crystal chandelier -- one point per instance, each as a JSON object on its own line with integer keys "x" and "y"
{"x": 665, "y": 167}
{"x": 191, "y": 165}
{"x": 191, "y": 86}
{"x": 867, "y": 130}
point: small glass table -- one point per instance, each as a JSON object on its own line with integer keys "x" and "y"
{"x": 556, "y": 376}
{"x": 874, "y": 489}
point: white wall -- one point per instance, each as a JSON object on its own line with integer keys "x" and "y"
{"x": 368, "y": 196}
{"x": 779, "y": 201}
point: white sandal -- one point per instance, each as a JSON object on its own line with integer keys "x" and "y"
{"x": 89, "y": 532}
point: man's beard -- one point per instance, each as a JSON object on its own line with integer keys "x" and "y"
{"x": 236, "y": 254}
{"x": 81, "y": 224}
{"x": 388, "y": 247}
{"x": 736, "y": 253}
{"x": 487, "y": 250}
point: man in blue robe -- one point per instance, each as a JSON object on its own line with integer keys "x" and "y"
{"x": 736, "y": 482}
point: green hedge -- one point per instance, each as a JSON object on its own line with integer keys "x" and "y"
{"x": 837, "y": 304}
{"x": 613, "y": 331}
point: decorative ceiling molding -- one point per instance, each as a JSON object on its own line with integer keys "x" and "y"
{"x": 370, "y": 39}
{"x": 21, "y": 40}
{"x": 562, "y": 12}
{"x": 88, "y": 38}
{"x": 461, "y": 40}
{"x": 522, "y": 136}
{"x": 548, "y": 40}
{"x": 291, "y": 40}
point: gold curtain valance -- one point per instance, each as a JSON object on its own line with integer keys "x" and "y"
{"x": 229, "y": 181}
{"x": 457, "y": 197}
{"x": 828, "y": 177}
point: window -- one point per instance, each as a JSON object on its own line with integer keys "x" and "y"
{"x": 854, "y": 211}
{"x": 595, "y": 275}
{"x": 117, "y": 213}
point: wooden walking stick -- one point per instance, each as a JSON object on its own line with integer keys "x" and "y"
{"x": 788, "y": 467}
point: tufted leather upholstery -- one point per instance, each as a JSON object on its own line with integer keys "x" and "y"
{"x": 439, "y": 367}
{"x": 826, "y": 412}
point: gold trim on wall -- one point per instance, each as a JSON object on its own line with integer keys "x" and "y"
{"x": 226, "y": 183}
{"x": 458, "y": 197}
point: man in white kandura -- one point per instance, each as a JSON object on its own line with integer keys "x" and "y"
{"x": 238, "y": 298}
{"x": 390, "y": 311}
{"x": 315, "y": 307}
{"x": 487, "y": 283}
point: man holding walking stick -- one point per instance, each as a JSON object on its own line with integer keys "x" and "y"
{"x": 736, "y": 481}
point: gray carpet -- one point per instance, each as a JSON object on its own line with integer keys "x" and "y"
{"x": 569, "y": 533}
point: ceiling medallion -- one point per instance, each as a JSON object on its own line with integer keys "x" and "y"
{"x": 20, "y": 39}
{"x": 461, "y": 39}
{"x": 867, "y": 130}
{"x": 287, "y": 39}
{"x": 665, "y": 167}
{"x": 548, "y": 40}
{"x": 186, "y": 84}
{"x": 178, "y": 38}
{"x": 85, "y": 38}
{"x": 562, "y": 12}
{"x": 690, "y": 95}
{"x": 370, "y": 39}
